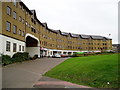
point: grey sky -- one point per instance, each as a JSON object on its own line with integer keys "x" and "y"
{"x": 91, "y": 17}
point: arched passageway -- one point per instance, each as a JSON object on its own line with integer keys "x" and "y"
{"x": 32, "y": 46}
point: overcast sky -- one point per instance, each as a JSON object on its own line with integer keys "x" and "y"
{"x": 91, "y": 17}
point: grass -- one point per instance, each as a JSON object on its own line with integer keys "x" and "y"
{"x": 93, "y": 71}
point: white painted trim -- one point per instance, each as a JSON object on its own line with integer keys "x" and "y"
{"x": 3, "y": 40}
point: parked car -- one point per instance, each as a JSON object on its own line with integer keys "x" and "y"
{"x": 57, "y": 56}
{"x": 64, "y": 55}
{"x": 50, "y": 56}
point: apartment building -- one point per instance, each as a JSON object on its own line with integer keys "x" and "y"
{"x": 21, "y": 31}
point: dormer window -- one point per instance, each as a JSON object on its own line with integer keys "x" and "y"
{"x": 104, "y": 39}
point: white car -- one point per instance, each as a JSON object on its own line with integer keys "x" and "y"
{"x": 57, "y": 55}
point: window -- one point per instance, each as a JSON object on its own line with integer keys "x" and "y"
{"x": 14, "y": 15}
{"x": 8, "y": 10}
{"x": 14, "y": 29}
{"x": 15, "y": 3}
{"x": 14, "y": 47}
{"x": 22, "y": 48}
{"x": 23, "y": 33}
{"x": 23, "y": 21}
{"x": 19, "y": 32}
{"x": 20, "y": 6}
{"x": 7, "y": 46}
{"x": 23, "y": 9}
{"x": 26, "y": 23}
{"x": 20, "y": 19}
{"x": 8, "y": 26}
{"x": 19, "y": 47}
{"x": 32, "y": 20}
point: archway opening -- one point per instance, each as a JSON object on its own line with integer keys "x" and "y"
{"x": 31, "y": 42}
{"x": 32, "y": 46}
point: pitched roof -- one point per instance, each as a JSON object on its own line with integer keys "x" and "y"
{"x": 85, "y": 36}
{"x": 64, "y": 33}
{"x": 97, "y": 37}
{"x": 74, "y": 35}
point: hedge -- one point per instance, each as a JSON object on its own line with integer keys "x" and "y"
{"x": 17, "y": 57}
{"x": 6, "y": 60}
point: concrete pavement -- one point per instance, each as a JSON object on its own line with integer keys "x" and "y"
{"x": 26, "y": 74}
{"x": 47, "y": 82}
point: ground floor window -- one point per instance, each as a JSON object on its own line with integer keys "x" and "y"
{"x": 14, "y": 47}
{"x": 19, "y": 47}
{"x": 7, "y": 46}
{"x": 23, "y": 48}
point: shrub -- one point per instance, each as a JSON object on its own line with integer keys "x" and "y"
{"x": 6, "y": 60}
{"x": 98, "y": 53}
{"x": 74, "y": 55}
{"x": 19, "y": 57}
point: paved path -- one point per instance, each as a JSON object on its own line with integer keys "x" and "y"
{"x": 47, "y": 82}
{"x": 26, "y": 74}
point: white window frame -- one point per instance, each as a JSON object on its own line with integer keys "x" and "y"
{"x": 20, "y": 18}
{"x": 23, "y": 33}
{"x": 23, "y": 48}
{"x": 14, "y": 29}
{"x": 8, "y": 26}
{"x": 19, "y": 32}
{"x": 14, "y": 15}
{"x": 14, "y": 47}
{"x": 8, "y": 45}
{"x": 15, "y": 2}
{"x": 8, "y": 10}
{"x": 19, "y": 47}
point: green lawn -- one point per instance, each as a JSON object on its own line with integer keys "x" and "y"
{"x": 94, "y": 71}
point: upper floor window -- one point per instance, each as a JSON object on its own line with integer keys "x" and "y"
{"x": 15, "y": 2}
{"x": 23, "y": 21}
{"x": 26, "y": 23}
{"x": 8, "y": 26}
{"x": 19, "y": 32}
{"x": 14, "y": 15}
{"x": 20, "y": 18}
{"x": 14, "y": 29}
{"x": 7, "y": 46}
{"x": 23, "y": 9}
{"x": 32, "y": 20}
{"x": 23, "y": 33}
{"x": 20, "y": 6}
{"x": 8, "y": 10}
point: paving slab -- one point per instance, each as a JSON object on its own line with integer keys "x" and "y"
{"x": 26, "y": 74}
{"x": 47, "y": 82}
